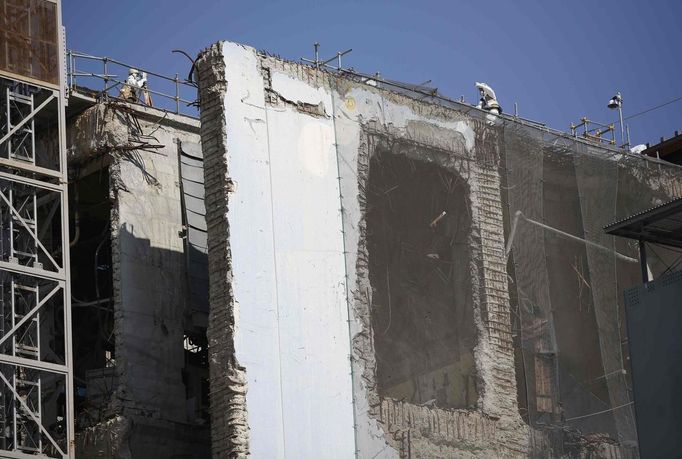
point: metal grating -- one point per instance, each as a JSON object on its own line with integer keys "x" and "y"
{"x": 661, "y": 225}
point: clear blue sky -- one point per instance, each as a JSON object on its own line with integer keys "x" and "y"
{"x": 558, "y": 60}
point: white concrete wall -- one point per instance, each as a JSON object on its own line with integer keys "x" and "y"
{"x": 288, "y": 265}
{"x": 287, "y": 244}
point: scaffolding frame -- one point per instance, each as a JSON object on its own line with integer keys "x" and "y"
{"x": 35, "y": 268}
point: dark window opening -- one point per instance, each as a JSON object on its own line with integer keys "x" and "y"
{"x": 418, "y": 227}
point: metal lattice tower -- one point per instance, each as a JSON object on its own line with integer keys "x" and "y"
{"x": 36, "y": 364}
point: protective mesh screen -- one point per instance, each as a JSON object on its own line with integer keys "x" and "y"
{"x": 566, "y": 279}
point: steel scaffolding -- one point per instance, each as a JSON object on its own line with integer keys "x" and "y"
{"x": 36, "y": 364}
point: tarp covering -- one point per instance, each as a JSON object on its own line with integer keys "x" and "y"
{"x": 566, "y": 280}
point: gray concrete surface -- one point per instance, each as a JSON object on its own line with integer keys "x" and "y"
{"x": 148, "y": 403}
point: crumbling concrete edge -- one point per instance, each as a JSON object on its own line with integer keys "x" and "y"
{"x": 109, "y": 439}
{"x": 495, "y": 427}
{"x": 229, "y": 425}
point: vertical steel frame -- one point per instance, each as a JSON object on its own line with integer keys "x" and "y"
{"x": 35, "y": 306}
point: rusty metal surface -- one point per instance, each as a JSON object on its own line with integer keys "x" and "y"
{"x": 29, "y": 44}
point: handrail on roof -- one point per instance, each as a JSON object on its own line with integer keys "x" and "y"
{"x": 177, "y": 102}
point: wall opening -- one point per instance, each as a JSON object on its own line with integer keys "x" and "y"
{"x": 196, "y": 378}
{"x": 418, "y": 229}
{"x": 92, "y": 297}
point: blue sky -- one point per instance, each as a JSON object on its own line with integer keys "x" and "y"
{"x": 558, "y": 60}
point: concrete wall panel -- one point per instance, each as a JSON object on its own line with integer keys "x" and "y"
{"x": 289, "y": 275}
{"x": 253, "y": 261}
{"x": 313, "y": 327}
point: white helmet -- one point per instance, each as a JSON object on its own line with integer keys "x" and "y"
{"x": 132, "y": 72}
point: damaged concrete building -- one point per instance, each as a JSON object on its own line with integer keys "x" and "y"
{"x": 139, "y": 276}
{"x": 315, "y": 263}
{"x": 394, "y": 274}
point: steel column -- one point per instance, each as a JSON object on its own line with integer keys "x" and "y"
{"x": 36, "y": 373}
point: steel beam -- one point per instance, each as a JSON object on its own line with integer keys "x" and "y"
{"x": 18, "y": 455}
{"x": 29, "y": 167}
{"x": 29, "y": 181}
{"x": 22, "y": 184}
{"x": 40, "y": 273}
{"x": 18, "y": 398}
{"x": 34, "y": 365}
{"x": 29, "y": 315}
{"x": 28, "y": 118}
{"x": 28, "y": 229}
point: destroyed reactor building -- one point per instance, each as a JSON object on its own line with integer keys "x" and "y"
{"x": 394, "y": 274}
{"x": 315, "y": 263}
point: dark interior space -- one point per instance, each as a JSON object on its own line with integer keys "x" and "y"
{"x": 195, "y": 376}
{"x": 91, "y": 295}
{"x": 582, "y": 385}
{"x": 418, "y": 227}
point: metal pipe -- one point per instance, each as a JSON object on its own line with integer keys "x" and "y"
{"x": 106, "y": 79}
{"x": 99, "y": 246}
{"x": 519, "y": 214}
{"x": 177, "y": 94}
{"x": 642, "y": 261}
{"x": 622, "y": 127}
{"x": 76, "y": 219}
{"x": 114, "y": 61}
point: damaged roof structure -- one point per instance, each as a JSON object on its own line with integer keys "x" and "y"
{"x": 319, "y": 263}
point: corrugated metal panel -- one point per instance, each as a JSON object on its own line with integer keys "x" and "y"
{"x": 197, "y": 238}
{"x": 194, "y": 218}
{"x": 196, "y": 221}
{"x": 192, "y": 172}
{"x": 193, "y": 150}
{"x": 193, "y": 189}
{"x": 196, "y": 206}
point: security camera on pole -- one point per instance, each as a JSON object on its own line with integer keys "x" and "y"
{"x": 616, "y": 102}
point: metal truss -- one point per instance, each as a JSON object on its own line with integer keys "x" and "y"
{"x": 36, "y": 363}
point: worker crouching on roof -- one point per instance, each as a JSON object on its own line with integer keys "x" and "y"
{"x": 136, "y": 86}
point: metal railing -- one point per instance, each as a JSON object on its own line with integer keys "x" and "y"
{"x": 86, "y": 73}
{"x": 595, "y": 131}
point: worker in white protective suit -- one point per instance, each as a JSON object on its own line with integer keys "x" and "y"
{"x": 488, "y": 99}
{"x": 135, "y": 88}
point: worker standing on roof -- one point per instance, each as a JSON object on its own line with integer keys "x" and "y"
{"x": 136, "y": 85}
{"x": 488, "y": 99}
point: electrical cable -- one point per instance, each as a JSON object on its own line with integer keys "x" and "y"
{"x": 650, "y": 109}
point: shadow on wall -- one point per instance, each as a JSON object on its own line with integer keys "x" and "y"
{"x": 151, "y": 396}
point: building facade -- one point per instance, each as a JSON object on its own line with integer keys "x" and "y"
{"x": 394, "y": 274}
